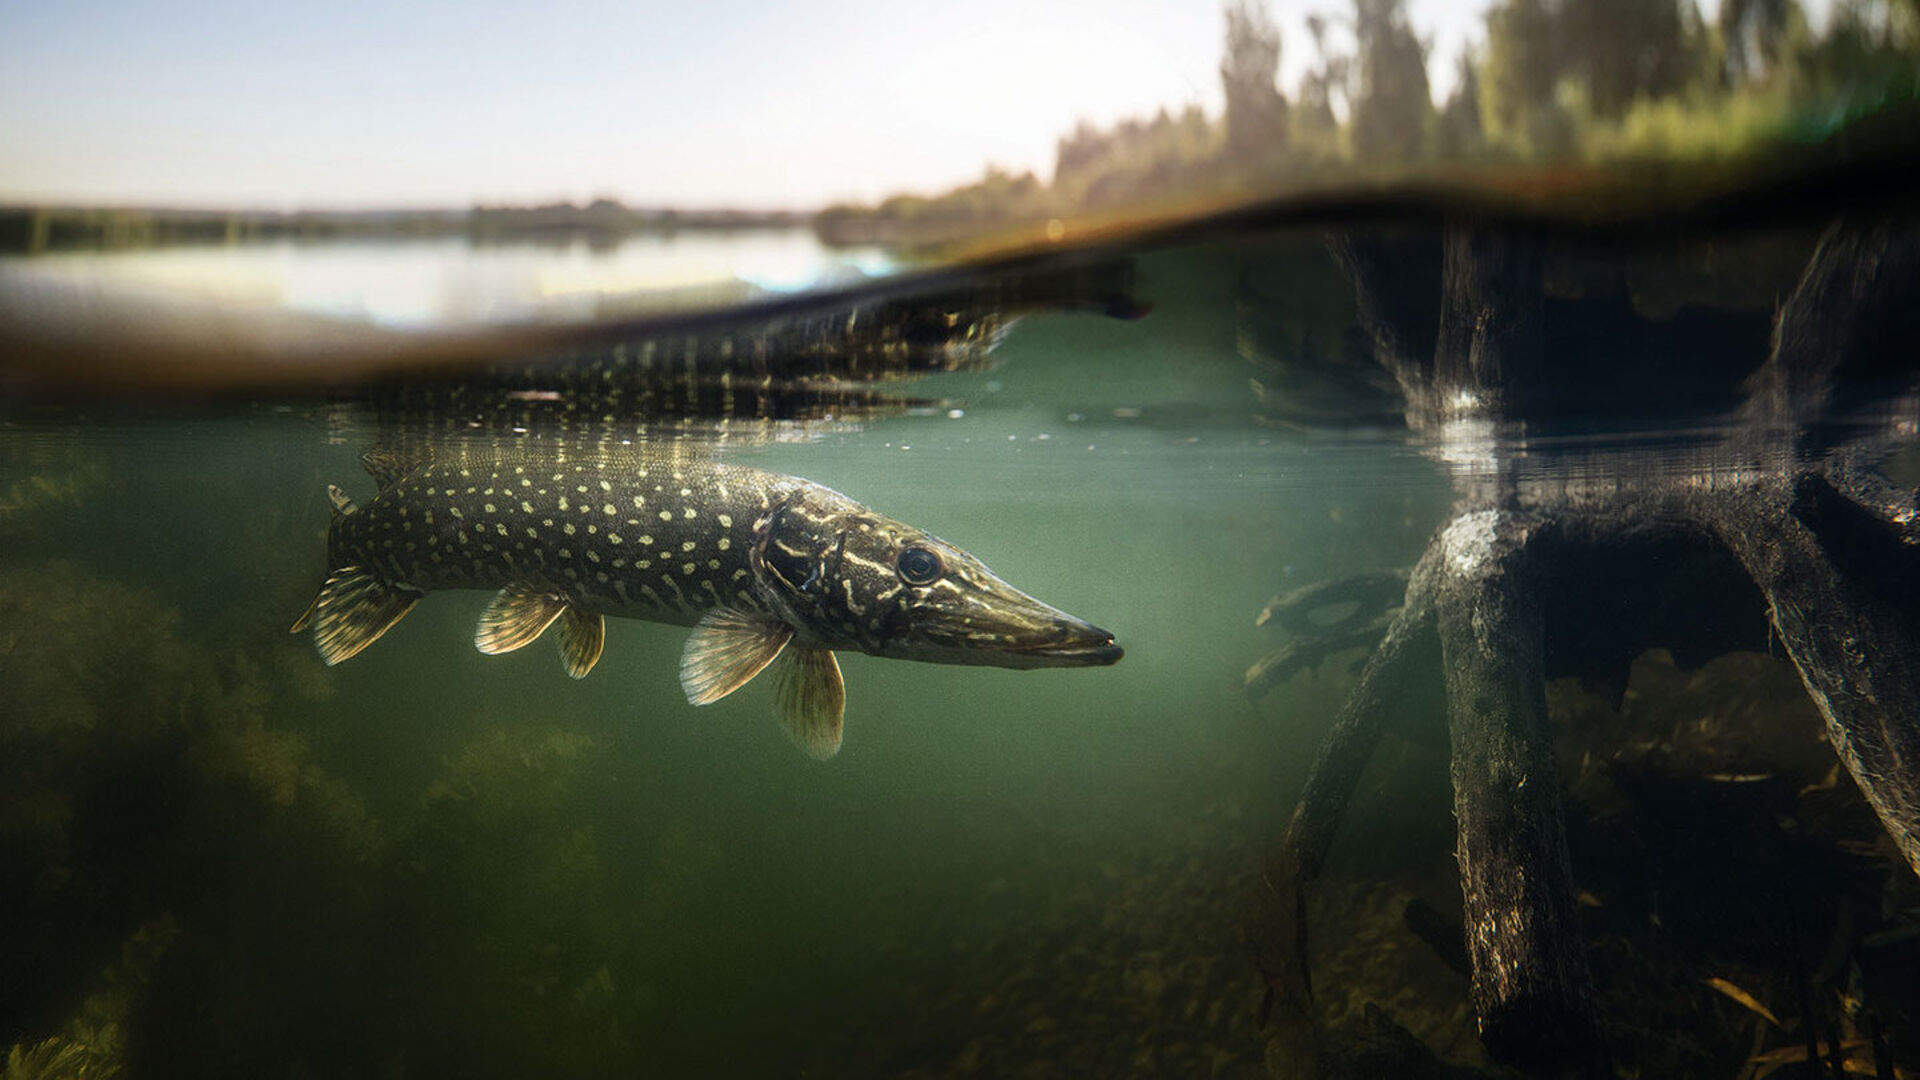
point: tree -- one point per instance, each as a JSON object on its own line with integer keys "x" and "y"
{"x": 1521, "y": 71}
{"x": 1607, "y": 53}
{"x": 1256, "y": 112}
{"x": 1314, "y": 111}
{"x": 1391, "y": 110}
{"x": 1459, "y": 134}
{"x": 1625, "y": 50}
{"x": 1080, "y": 152}
{"x": 1754, "y": 33}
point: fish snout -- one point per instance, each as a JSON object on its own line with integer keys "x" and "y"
{"x": 1068, "y": 642}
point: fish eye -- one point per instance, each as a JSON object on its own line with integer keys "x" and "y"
{"x": 918, "y": 566}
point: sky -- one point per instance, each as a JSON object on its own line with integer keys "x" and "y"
{"x": 427, "y": 103}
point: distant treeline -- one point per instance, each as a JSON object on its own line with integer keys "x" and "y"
{"x": 1577, "y": 82}
{"x": 36, "y": 229}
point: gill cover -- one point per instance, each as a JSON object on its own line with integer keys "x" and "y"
{"x": 802, "y": 553}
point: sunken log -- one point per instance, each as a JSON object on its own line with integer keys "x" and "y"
{"x": 1316, "y": 636}
{"x": 1381, "y": 691}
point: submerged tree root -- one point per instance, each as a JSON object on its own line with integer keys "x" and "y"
{"x": 1832, "y": 548}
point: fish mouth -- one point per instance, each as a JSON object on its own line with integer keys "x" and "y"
{"x": 992, "y": 624}
{"x": 1071, "y": 645}
{"x": 1057, "y": 643}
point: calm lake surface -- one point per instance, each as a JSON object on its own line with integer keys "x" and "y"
{"x": 225, "y": 858}
{"x": 418, "y": 283}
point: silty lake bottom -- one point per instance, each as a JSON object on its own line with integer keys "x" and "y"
{"x": 1534, "y": 539}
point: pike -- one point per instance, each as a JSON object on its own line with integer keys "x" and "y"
{"x": 769, "y": 570}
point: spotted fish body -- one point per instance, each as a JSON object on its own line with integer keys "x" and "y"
{"x": 618, "y": 538}
{"x": 766, "y": 568}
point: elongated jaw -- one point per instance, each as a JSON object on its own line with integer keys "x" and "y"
{"x": 999, "y": 626}
{"x": 1068, "y": 643}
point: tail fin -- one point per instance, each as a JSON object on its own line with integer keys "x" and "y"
{"x": 306, "y": 616}
{"x": 353, "y": 609}
{"x": 339, "y": 505}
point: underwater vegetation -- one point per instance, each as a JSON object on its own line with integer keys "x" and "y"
{"x": 161, "y": 824}
{"x": 1727, "y": 850}
{"x": 120, "y": 760}
{"x": 92, "y": 1044}
{"x": 42, "y": 476}
{"x": 192, "y": 890}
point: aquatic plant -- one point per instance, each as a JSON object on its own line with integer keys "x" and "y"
{"x": 135, "y": 771}
{"x": 44, "y": 473}
{"x": 93, "y": 1044}
{"x": 58, "y": 1058}
{"x": 508, "y": 926}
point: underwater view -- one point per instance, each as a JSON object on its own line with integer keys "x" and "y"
{"x": 1461, "y": 647}
{"x": 1393, "y": 557}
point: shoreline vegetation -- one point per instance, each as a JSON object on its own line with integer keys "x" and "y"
{"x": 33, "y": 230}
{"x": 1560, "y": 104}
{"x": 1566, "y": 104}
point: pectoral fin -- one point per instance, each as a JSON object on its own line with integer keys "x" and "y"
{"x": 582, "y": 635}
{"x": 727, "y": 649}
{"x": 810, "y": 699}
{"x": 515, "y": 617}
{"x": 353, "y": 609}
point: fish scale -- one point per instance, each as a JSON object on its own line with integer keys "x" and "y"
{"x": 660, "y": 543}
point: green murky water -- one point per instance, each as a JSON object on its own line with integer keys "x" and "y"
{"x": 224, "y": 858}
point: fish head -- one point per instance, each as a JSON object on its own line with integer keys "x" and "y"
{"x": 847, "y": 577}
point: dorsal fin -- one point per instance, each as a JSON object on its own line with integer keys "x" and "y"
{"x": 387, "y": 463}
{"x": 339, "y": 502}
